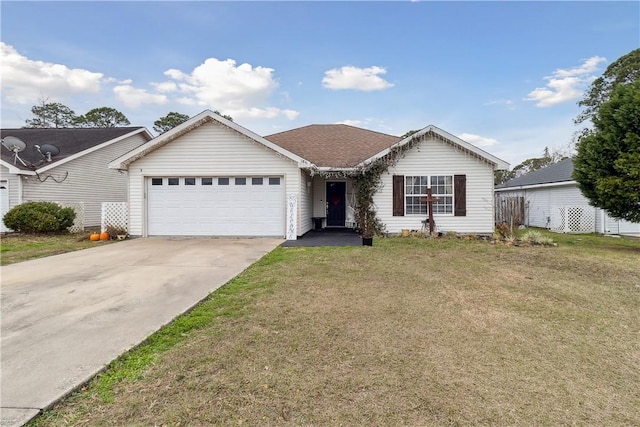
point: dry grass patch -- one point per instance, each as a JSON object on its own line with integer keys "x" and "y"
{"x": 409, "y": 332}
{"x": 22, "y": 247}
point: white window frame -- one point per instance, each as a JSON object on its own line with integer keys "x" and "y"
{"x": 439, "y": 208}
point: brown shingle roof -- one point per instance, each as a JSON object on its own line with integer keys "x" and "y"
{"x": 338, "y": 146}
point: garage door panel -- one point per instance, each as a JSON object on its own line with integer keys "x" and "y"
{"x": 216, "y": 210}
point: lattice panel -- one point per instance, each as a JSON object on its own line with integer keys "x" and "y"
{"x": 78, "y": 223}
{"x": 115, "y": 214}
{"x": 574, "y": 219}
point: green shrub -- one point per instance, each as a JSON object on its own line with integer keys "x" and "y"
{"x": 39, "y": 217}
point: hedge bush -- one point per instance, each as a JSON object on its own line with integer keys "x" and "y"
{"x": 39, "y": 217}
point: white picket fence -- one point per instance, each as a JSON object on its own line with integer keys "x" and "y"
{"x": 115, "y": 214}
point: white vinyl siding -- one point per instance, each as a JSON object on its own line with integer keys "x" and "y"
{"x": 209, "y": 150}
{"x": 319, "y": 194}
{"x": 436, "y": 158}
{"x": 14, "y": 184}
{"x": 305, "y": 203}
{"x": 86, "y": 179}
{"x": 542, "y": 203}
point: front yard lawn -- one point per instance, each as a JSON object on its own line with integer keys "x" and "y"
{"x": 22, "y": 247}
{"x": 408, "y": 332}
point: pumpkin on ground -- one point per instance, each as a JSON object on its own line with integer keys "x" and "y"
{"x": 94, "y": 237}
{"x": 105, "y": 236}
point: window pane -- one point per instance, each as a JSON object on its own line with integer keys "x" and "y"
{"x": 274, "y": 181}
{"x": 241, "y": 181}
{"x": 189, "y": 181}
{"x": 156, "y": 181}
{"x": 442, "y": 189}
{"x": 256, "y": 181}
{"x": 416, "y": 190}
{"x": 174, "y": 181}
{"x": 223, "y": 181}
{"x": 207, "y": 181}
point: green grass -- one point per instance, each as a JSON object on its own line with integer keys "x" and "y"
{"x": 22, "y": 247}
{"x": 409, "y": 332}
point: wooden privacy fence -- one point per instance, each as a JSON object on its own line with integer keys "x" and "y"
{"x": 510, "y": 210}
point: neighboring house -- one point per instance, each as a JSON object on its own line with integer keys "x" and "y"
{"x": 78, "y": 174}
{"x": 210, "y": 176}
{"x": 553, "y": 200}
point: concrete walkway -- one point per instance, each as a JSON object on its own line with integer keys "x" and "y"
{"x": 67, "y": 316}
{"x": 326, "y": 237}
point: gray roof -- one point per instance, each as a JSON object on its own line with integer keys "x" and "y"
{"x": 70, "y": 141}
{"x": 557, "y": 172}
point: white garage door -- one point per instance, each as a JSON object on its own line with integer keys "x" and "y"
{"x": 216, "y": 206}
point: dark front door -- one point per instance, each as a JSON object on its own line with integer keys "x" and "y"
{"x": 336, "y": 206}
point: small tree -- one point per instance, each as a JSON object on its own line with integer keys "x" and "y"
{"x": 51, "y": 115}
{"x": 169, "y": 121}
{"x": 39, "y": 217}
{"x": 624, "y": 70}
{"x": 226, "y": 116}
{"x": 607, "y": 166}
{"x": 102, "y": 117}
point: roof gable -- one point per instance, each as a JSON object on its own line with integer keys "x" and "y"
{"x": 443, "y": 136}
{"x": 555, "y": 173}
{"x": 334, "y": 146}
{"x": 206, "y": 116}
{"x": 72, "y": 142}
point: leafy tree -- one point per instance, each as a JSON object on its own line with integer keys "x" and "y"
{"x": 409, "y": 133}
{"x": 51, "y": 115}
{"x": 169, "y": 121}
{"x": 607, "y": 166}
{"x": 102, "y": 117}
{"x": 224, "y": 115}
{"x": 624, "y": 70}
{"x": 502, "y": 176}
{"x": 549, "y": 157}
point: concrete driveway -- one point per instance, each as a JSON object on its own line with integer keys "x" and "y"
{"x": 67, "y": 316}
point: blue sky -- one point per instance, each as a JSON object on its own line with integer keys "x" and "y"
{"x": 505, "y": 76}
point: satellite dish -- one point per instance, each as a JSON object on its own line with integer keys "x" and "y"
{"x": 14, "y": 144}
{"x": 48, "y": 151}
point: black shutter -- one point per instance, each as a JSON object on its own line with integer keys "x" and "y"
{"x": 398, "y": 195}
{"x": 460, "y": 193}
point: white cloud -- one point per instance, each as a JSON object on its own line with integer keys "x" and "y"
{"x": 165, "y": 87}
{"x": 25, "y": 81}
{"x": 506, "y": 102}
{"x": 356, "y": 123}
{"x": 477, "y": 140}
{"x": 133, "y": 97}
{"x": 566, "y": 85}
{"x": 242, "y": 91}
{"x": 238, "y": 90}
{"x": 262, "y": 113}
{"x": 348, "y": 77}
